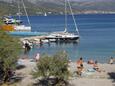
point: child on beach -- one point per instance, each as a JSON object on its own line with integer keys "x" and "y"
{"x": 37, "y": 57}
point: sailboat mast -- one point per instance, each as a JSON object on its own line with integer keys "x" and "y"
{"x": 26, "y": 12}
{"x": 18, "y": 2}
{"x": 73, "y": 16}
{"x": 65, "y": 16}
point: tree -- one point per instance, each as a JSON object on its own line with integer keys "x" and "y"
{"x": 1, "y": 22}
{"x": 9, "y": 51}
{"x": 55, "y": 66}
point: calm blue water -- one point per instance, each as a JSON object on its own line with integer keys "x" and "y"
{"x": 97, "y": 35}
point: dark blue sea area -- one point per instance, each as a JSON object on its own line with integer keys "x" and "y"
{"x": 97, "y": 35}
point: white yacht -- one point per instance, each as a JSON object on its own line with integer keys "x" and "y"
{"x": 65, "y": 35}
{"x": 62, "y": 36}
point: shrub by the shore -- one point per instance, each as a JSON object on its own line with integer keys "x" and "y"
{"x": 53, "y": 70}
{"x": 9, "y": 51}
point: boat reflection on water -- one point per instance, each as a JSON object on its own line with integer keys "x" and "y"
{"x": 59, "y": 43}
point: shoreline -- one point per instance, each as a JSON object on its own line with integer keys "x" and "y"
{"x": 98, "y": 78}
{"x": 69, "y": 14}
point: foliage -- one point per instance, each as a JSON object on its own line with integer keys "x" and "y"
{"x": 53, "y": 66}
{"x": 1, "y": 22}
{"x": 9, "y": 50}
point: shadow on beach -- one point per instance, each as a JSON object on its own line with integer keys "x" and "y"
{"x": 112, "y": 76}
{"x": 12, "y": 80}
{"x": 20, "y": 67}
{"x": 50, "y": 82}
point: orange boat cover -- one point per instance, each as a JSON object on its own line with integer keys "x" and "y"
{"x": 7, "y": 27}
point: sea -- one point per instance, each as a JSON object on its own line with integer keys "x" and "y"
{"x": 97, "y": 36}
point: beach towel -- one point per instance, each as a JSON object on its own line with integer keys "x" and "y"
{"x": 20, "y": 62}
{"x": 86, "y": 74}
{"x": 90, "y": 70}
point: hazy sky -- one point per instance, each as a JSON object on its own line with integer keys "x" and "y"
{"x": 92, "y": 0}
{"x": 70, "y": 0}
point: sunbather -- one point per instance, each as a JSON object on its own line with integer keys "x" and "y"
{"x": 91, "y": 62}
{"x": 79, "y": 62}
{"x": 80, "y": 69}
{"x": 80, "y": 66}
{"x": 111, "y": 60}
{"x": 95, "y": 66}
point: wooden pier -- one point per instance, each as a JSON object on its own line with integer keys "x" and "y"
{"x": 34, "y": 39}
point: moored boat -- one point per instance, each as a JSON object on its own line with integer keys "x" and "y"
{"x": 13, "y": 25}
{"x": 65, "y": 36}
{"x": 62, "y": 36}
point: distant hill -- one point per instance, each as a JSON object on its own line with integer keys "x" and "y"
{"x": 39, "y": 7}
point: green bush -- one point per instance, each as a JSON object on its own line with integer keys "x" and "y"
{"x": 9, "y": 51}
{"x": 55, "y": 67}
{"x": 1, "y": 22}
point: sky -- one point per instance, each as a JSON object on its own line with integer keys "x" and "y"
{"x": 71, "y": 0}
{"x": 92, "y": 0}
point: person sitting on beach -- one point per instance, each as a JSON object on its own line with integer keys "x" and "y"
{"x": 80, "y": 69}
{"x": 90, "y": 62}
{"x": 111, "y": 60}
{"x": 95, "y": 66}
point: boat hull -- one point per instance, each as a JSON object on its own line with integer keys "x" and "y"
{"x": 64, "y": 39}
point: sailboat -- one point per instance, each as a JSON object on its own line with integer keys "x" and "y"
{"x": 65, "y": 36}
{"x": 16, "y": 26}
{"x": 45, "y": 14}
{"x": 20, "y": 27}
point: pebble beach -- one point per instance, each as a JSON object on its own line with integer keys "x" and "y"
{"x": 104, "y": 78}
